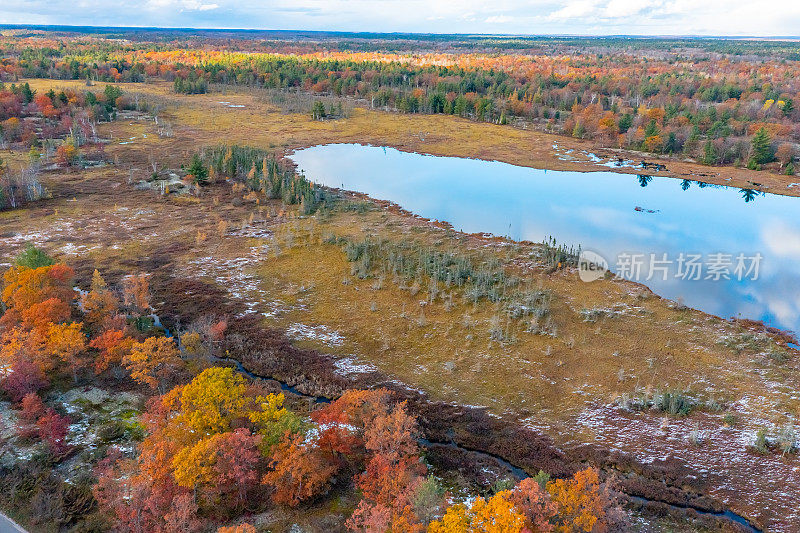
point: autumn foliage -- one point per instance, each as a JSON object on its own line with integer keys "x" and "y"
{"x": 579, "y": 504}
{"x": 218, "y": 446}
{"x": 36, "y": 324}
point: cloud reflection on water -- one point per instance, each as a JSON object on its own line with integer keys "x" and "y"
{"x": 597, "y": 211}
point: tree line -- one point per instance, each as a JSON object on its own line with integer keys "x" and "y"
{"x": 212, "y": 446}
{"x": 705, "y": 107}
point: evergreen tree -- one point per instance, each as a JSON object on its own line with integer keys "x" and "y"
{"x": 437, "y": 102}
{"x": 318, "y": 110}
{"x": 761, "y": 148}
{"x": 709, "y": 153}
{"x": 32, "y": 257}
{"x": 651, "y": 130}
{"x": 27, "y": 93}
{"x": 625, "y": 123}
{"x": 198, "y": 170}
{"x": 672, "y": 145}
{"x": 691, "y": 143}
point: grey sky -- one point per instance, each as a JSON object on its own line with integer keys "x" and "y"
{"x": 595, "y": 17}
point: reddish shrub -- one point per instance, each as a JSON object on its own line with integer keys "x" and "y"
{"x": 22, "y": 378}
{"x": 53, "y": 430}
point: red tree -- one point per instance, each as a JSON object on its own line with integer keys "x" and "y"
{"x": 23, "y": 377}
{"x": 299, "y": 472}
{"x": 53, "y": 430}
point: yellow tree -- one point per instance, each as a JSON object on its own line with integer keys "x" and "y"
{"x": 67, "y": 342}
{"x": 213, "y": 400}
{"x": 194, "y": 465}
{"x": 26, "y": 287}
{"x": 495, "y": 515}
{"x": 581, "y": 501}
{"x": 136, "y": 293}
{"x": 273, "y": 421}
{"x": 153, "y": 361}
{"x": 20, "y": 344}
{"x": 99, "y": 303}
{"x": 221, "y": 469}
{"x": 192, "y": 344}
{"x": 455, "y": 520}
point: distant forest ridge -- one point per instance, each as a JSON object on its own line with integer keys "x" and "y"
{"x": 722, "y": 44}
{"x": 716, "y": 101}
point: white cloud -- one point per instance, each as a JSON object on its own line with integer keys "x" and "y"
{"x": 581, "y": 8}
{"x": 624, "y": 8}
{"x": 180, "y": 5}
{"x": 592, "y": 17}
{"x": 498, "y": 19}
{"x": 782, "y": 240}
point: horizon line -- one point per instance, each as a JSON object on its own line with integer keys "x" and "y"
{"x": 402, "y": 33}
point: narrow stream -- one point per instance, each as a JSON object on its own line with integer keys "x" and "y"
{"x": 515, "y": 470}
{"x": 284, "y": 386}
{"x": 426, "y": 443}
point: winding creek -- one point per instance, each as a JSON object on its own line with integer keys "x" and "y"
{"x": 518, "y": 472}
{"x": 426, "y": 443}
{"x": 725, "y": 251}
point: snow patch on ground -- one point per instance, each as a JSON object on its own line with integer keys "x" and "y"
{"x": 348, "y": 366}
{"x": 722, "y": 454}
{"x": 320, "y": 333}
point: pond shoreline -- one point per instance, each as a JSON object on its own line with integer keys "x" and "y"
{"x": 602, "y": 213}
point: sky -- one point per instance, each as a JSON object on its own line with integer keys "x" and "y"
{"x": 579, "y": 17}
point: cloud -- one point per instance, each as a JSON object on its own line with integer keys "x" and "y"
{"x": 781, "y": 239}
{"x": 498, "y": 19}
{"x": 588, "y": 17}
{"x": 572, "y": 10}
{"x": 180, "y": 5}
{"x": 626, "y": 8}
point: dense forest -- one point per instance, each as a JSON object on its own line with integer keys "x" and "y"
{"x": 717, "y": 101}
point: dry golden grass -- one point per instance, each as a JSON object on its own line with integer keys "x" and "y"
{"x": 650, "y": 345}
{"x": 447, "y": 352}
{"x": 204, "y": 119}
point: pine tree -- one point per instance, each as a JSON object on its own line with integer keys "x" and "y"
{"x": 27, "y": 93}
{"x": 198, "y": 170}
{"x": 709, "y": 153}
{"x": 651, "y": 130}
{"x": 761, "y": 151}
{"x": 318, "y": 110}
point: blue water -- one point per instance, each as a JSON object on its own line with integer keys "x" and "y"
{"x": 598, "y": 211}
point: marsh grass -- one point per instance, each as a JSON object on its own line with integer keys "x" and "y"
{"x": 672, "y": 402}
{"x": 413, "y": 266}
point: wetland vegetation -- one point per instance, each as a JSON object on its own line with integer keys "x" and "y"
{"x": 197, "y": 335}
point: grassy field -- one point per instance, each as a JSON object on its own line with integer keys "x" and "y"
{"x": 247, "y": 117}
{"x": 595, "y": 368}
